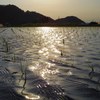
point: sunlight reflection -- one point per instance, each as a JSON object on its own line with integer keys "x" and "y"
{"x": 46, "y": 72}
{"x": 44, "y": 69}
{"x": 44, "y": 52}
{"x": 32, "y": 68}
{"x": 52, "y": 45}
{"x": 54, "y": 49}
{"x": 69, "y": 73}
{"x": 46, "y": 29}
{"x": 51, "y": 38}
{"x": 50, "y": 52}
{"x": 32, "y": 98}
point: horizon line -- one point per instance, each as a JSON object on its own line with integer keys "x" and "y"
{"x": 48, "y": 15}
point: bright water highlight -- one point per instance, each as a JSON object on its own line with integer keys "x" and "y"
{"x": 50, "y": 63}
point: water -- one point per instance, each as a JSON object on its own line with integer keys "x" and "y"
{"x": 50, "y": 63}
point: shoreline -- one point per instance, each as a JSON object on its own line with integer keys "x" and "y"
{"x": 50, "y": 26}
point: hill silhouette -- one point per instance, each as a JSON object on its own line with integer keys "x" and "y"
{"x": 11, "y": 15}
{"x": 70, "y": 21}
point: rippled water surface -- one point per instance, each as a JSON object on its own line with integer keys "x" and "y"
{"x": 50, "y": 63}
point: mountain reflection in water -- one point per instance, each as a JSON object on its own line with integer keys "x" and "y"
{"x": 50, "y": 63}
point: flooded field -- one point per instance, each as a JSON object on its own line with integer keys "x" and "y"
{"x": 50, "y": 63}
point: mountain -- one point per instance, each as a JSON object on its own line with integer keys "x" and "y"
{"x": 70, "y": 21}
{"x": 10, "y": 15}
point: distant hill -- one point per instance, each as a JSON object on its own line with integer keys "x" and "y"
{"x": 11, "y": 15}
{"x": 70, "y": 21}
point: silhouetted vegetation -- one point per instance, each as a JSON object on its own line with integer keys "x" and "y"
{"x": 93, "y": 24}
{"x": 70, "y": 21}
{"x": 10, "y": 15}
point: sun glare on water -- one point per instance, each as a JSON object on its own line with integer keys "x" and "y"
{"x": 46, "y": 29}
{"x": 32, "y": 98}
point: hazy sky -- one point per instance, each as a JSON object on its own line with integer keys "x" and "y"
{"x": 87, "y": 10}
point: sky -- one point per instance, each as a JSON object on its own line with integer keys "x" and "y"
{"x": 87, "y": 10}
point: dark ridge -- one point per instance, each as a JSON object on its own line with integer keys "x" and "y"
{"x": 11, "y": 15}
{"x": 70, "y": 20}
